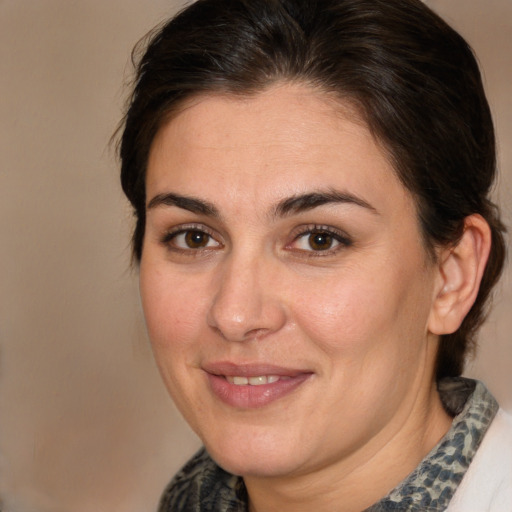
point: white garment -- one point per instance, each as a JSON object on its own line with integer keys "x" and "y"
{"x": 487, "y": 484}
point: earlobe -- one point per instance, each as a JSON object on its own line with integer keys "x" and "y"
{"x": 460, "y": 271}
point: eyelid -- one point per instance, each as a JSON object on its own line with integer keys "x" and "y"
{"x": 173, "y": 232}
{"x": 343, "y": 239}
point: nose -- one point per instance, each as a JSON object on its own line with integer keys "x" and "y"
{"x": 246, "y": 302}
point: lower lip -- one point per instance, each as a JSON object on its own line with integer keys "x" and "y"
{"x": 252, "y": 397}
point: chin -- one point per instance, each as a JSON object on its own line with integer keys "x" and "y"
{"x": 258, "y": 455}
{"x": 260, "y": 465}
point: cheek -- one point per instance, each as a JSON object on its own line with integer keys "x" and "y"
{"x": 364, "y": 310}
{"x": 339, "y": 321}
{"x": 172, "y": 309}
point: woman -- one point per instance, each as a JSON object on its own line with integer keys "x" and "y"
{"x": 317, "y": 247}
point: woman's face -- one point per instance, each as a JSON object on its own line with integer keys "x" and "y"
{"x": 285, "y": 286}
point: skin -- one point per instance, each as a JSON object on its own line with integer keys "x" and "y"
{"x": 356, "y": 316}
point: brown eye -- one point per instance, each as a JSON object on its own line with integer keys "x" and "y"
{"x": 320, "y": 241}
{"x": 191, "y": 239}
{"x": 196, "y": 239}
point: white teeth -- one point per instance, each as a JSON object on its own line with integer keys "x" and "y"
{"x": 253, "y": 381}
{"x": 257, "y": 381}
{"x": 240, "y": 381}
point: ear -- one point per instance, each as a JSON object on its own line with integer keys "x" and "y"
{"x": 460, "y": 270}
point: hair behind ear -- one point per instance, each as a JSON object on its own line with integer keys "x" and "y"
{"x": 454, "y": 347}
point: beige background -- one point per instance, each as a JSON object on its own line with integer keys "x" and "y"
{"x": 85, "y": 424}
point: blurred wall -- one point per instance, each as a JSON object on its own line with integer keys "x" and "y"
{"x": 85, "y": 424}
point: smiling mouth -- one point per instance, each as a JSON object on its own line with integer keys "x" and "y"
{"x": 253, "y": 386}
{"x": 255, "y": 381}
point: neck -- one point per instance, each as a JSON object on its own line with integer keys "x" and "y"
{"x": 384, "y": 462}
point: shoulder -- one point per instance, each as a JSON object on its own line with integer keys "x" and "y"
{"x": 487, "y": 485}
{"x": 202, "y": 486}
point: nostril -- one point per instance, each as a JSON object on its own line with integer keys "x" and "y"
{"x": 240, "y": 334}
{"x": 257, "y": 333}
{"x": 254, "y": 324}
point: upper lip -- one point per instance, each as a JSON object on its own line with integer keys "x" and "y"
{"x": 229, "y": 369}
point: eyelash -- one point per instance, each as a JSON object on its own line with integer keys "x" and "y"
{"x": 340, "y": 239}
{"x": 171, "y": 236}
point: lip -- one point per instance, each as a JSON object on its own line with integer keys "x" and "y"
{"x": 248, "y": 396}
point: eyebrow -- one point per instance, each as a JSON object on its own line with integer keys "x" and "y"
{"x": 304, "y": 202}
{"x": 295, "y": 204}
{"x": 191, "y": 204}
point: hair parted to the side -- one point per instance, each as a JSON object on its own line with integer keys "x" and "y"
{"x": 414, "y": 80}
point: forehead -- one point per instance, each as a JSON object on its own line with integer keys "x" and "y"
{"x": 286, "y": 140}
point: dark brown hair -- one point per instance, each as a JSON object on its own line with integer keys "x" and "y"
{"x": 414, "y": 79}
